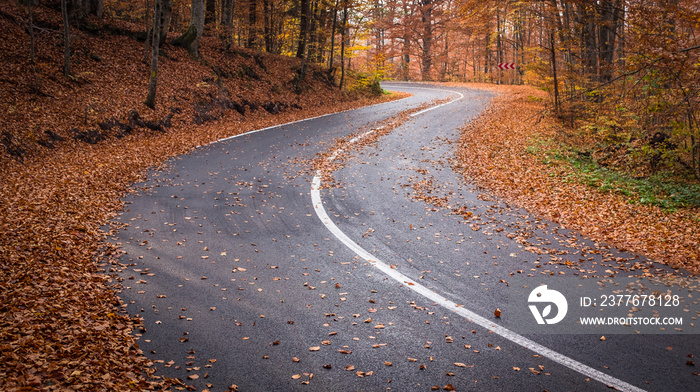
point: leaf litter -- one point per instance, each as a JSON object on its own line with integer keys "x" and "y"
{"x": 61, "y": 324}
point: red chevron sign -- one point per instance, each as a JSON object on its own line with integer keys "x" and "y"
{"x": 506, "y": 65}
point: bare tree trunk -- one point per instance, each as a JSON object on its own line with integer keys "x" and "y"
{"x": 97, "y": 8}
{"x": 446, "y": 62}
{"x": 252, "y": 24}
{"x": 166, "y": 16}
{"x": 406, "y": 44}
{"x": 190, "y": 39}
{"x": 267, "y": 26}
{"x": 303, "y": 28}
{"x": 333, "y": 26}
{"x": 607, "y": 32}
{"x": 427, "y": 36}
{"x": 620, "y": 49}
{"x": 586, "y": 21}
{"x": 153, "y": 83}
{"x": 313, "y": 32}
{"x": 343, "y": 37}
{"x": 66, "y": 38}
{"x": 210, "y": 12}
{"x": 303, "y": 44}
{"x": 553, "y": 53}
{"x": 499, "y": 47}
{"x": 227, "y": 9}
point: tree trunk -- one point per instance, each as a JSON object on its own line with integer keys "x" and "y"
{"x": 166, "y": 16}
{"x": 313, "y": 32}
{"x": 66, "y": 38}
{"x": 553, "y": 53}
{"x": 190, "y": 39}
{"x": 607, "y": 31}
{"x": 333, "y": 26}
{"x": 427, "y": 36}
{"x": 227, "y": 9}
{"x": 303, "y": 28}
{"x": 210, "y": 12}
{"x": 445, "y": 64}
{"x": 83, "y": 8}
{"x": 267, "y": 25}
{"x": 97, "y": 8}
{"x": 586, "y": 22}
{"x": 620, "y": 49}
{"x": 153, "y": 83}
{"x": 252, "y": 22}
{"x": 499, "y": 47}
{"x": 406, "y": 44}
{"x": 342, "y": 43}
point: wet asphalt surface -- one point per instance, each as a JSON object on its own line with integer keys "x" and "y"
{"x": 238, "y": 282}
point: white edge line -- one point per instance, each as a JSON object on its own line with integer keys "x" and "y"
{"x": 450, "y": 305}
{"x": 292, "y": 122}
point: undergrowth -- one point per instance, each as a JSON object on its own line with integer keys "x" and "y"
{"x": 662, "y": 189}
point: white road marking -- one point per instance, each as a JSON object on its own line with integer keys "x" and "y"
{"x": 292, "y": 122}
{"x": 448, "y": 304}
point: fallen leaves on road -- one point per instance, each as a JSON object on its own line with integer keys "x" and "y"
{"x": 492, "y": 153}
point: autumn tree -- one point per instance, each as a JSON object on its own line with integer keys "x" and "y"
{"x": 166, "y": 16}
{"x": 153, "y": 83}
{"x": 190, "y": 39}
{"x": 252, "y": 24}
{"x": 227, "y": 17}
{"x": 303, "y": 28}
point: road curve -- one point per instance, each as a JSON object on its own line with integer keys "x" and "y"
{"x": 240, "y": 282}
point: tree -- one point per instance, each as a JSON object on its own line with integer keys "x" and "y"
{"x": 210, "y": 12}
{"x": 190, "y": 39}
{"x": 166, "y": 16}
{"x": 267, "y": 26}
{"x": 252, "y": 24}
{"x": 227, "y": 14}
{"x": 344, "y": 37}
{"x": 153, "y": 83}
{"x": 334, "y": 23}
{"x": 303, "y": 28}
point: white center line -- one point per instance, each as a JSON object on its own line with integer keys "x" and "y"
{"x": 448, "y": 304}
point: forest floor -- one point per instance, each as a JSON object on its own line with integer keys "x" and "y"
{"x": 510, "y": 150}
{"x": 72, "y": 147}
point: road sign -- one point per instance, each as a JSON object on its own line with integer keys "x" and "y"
{"x": 506, "y": 65}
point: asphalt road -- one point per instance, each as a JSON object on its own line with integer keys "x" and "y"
{"x": 241, "y": 278}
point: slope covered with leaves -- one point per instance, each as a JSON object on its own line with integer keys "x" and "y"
{"x": 495, "y": 152}
{"x": 70, "y": 149}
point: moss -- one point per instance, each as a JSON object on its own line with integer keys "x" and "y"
{"x": 187, "y": 39}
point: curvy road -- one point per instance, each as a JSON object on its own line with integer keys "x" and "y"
{"x": 251, "y": 268}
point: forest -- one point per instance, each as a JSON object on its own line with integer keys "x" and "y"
{"x": 603, "y": 95}
{"x": 621, "y": 73}
{"x": 624, "y": 71}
